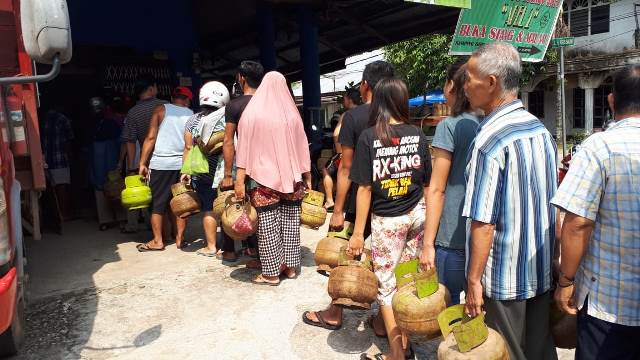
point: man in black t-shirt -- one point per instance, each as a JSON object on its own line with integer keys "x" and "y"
{"x": 354, "y": 122}
{"x": 248, "y": 79}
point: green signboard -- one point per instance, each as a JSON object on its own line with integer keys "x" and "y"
{"x": 562, "y": 42}
{"x": 465, "y": 4}
{"x": 526, "y": 24}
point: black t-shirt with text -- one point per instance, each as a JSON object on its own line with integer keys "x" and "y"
{"x": 233, "y": 110}
{"x": 397, "y": 173}
{"x": 353, "y": 123}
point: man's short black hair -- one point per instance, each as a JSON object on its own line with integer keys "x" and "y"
{"x": 376, "y": 71}
{"x": 144, "y": 82}
{"x": 626, "y": 90}
{"x": 354, "y": 95}
{"x": 252, "y": 71}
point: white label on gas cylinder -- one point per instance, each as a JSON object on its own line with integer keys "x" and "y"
{"x": 18, "y": 134}
{"x": 16, "y": 115}
{"x": 5, "y": 135}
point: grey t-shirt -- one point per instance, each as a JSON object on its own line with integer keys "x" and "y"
{"x": 455, "y": 134}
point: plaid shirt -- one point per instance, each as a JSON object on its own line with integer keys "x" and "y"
{"x": 57, "y": 133}
{"x": 512, "y": 177}
{"x": 603, "y": 185}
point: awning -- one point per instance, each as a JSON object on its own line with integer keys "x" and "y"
{"x": 431, "y": 97}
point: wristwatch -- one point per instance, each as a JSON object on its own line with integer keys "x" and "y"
{"x": 570, "y": 281}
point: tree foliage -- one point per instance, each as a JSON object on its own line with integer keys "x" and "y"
{"x": 422, "y": 61}
{"x": 530, "y": 70}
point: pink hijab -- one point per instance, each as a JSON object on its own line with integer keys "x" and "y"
{"x": 272, "y": 144}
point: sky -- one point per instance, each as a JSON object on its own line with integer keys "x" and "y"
{"x": 336, "y": 81}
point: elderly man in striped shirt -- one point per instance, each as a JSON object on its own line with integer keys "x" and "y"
{"x": 600, "y": 243}
{"x": 511, "y": 178}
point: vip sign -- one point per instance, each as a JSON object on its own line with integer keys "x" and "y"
{"x": 527, "y": 24}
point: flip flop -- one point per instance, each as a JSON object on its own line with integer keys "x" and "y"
{"x": 320, "y": 323}
{"x": 291, "y": 277}
{"x": 370, "y": 323}
{"x": 330, "y": 209}
{"x": 378, "y": 356}
{"x": 260, "y": 280}
{"x": 146, "y": 248}
{"x": 206, "y": 252}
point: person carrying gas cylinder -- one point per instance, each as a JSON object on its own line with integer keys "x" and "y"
{"x": 200, "y": 128}
{"x": 273, "y": 152}
{"x": 396, "y": 192}
{"x": 164, "y": 145}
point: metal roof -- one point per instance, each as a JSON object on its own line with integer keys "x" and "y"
{"x": 229, "y": 33}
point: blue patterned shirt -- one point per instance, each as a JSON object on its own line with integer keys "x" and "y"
{"x": 511, "y": 178}
{"x": 603, "y": 185}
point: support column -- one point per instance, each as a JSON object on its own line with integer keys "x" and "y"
{"x": 588, "y": 110}
{"x": 310, "y": 71}
{"x": 524, "y": 96}
{"x": 589, "y": 82}
{"x": 267, "y": 32}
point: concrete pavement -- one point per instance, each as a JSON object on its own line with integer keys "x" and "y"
{"x": 93, "y": 296}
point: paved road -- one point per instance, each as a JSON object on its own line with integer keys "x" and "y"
{"x": 93, "y": 296}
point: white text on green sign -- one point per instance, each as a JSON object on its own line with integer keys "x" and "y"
{"x": 562, "y": 42}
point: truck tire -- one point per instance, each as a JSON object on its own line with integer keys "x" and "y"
{"x": 12, "y": 338}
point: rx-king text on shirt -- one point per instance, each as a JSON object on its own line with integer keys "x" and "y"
{"x": 392, "y": 165}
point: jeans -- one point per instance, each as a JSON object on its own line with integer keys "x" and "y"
{"x": 450, "y": 265}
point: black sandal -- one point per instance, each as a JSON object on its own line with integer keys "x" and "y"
{"x": 378, "y": 356}
{"x": 320, "y": 323}
{"x": 147, "y": 248}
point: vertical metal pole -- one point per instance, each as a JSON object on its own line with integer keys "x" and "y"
{"x": 562, "y": 104}
{"x": 266, "y": 30}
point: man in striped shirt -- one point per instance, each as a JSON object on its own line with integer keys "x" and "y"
{"x": 511, "y": 180}
{"x": 136, "y": 126}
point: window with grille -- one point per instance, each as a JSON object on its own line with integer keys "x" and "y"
{"x": 587, "y": 17}
{"x": 536, "y": 103}
{"x": 578, "y": 108}
{"x": 600, "y": 105}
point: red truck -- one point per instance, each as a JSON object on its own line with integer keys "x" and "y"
{"x": 30, "y": 31}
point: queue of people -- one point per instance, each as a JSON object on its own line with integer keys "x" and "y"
{"x": 480, "y": 208}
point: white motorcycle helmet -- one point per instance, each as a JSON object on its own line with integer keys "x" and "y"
{"x": 215, "y": 94}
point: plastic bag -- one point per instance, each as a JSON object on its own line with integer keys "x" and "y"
{"x": 195, "y": 163}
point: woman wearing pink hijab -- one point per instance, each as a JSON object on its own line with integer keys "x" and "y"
{"x": 273, "y": 152}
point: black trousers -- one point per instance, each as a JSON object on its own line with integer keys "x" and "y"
{"x": 602, "y": 340}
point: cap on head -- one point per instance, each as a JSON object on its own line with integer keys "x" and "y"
{"x": 183, "y": 91}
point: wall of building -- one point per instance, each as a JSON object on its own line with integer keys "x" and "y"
{"x": 621, "y": 26}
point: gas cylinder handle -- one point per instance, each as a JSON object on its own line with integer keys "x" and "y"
{"x": 468, "y": 332}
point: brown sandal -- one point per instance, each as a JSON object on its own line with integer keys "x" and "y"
{"x": 260, "y": 280}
